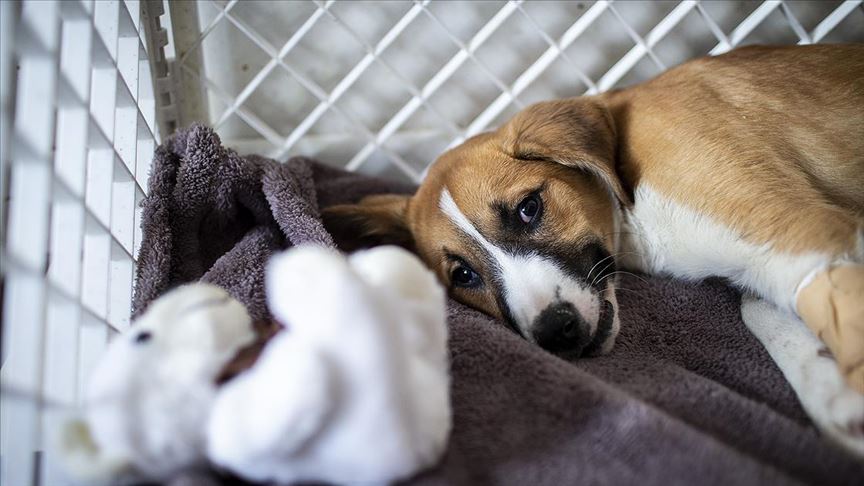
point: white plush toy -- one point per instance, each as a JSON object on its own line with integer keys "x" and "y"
{"x": 148, "y": 398}
{"x": 356, "y": 390}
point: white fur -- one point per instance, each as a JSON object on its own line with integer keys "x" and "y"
{"x": 357, "y": 390}
{"x": 663, "y": 237}
{"x": 836, "y": 409}
{"x": 530, "y": 282}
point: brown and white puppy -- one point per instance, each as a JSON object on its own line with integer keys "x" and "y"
{"x": 513, "y": 233}
{"x": 748, "y": 165}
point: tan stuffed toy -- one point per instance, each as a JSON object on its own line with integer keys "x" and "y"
{"x": 832, "y": 305}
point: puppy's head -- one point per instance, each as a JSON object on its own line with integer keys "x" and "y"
{"x": 519, "y": 223}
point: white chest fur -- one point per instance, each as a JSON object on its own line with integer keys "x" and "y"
{"x": 661, "y": 236}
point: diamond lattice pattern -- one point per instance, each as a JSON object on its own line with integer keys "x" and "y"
{"x": 384, "y": 87}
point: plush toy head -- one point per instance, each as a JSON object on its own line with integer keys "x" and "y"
{"x": 149, "y": 396}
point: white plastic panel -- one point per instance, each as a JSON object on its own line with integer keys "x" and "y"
{"x": 78, "y": 112}
{"x": 384, "y": 87}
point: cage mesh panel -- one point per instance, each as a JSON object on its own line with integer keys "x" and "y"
{"x": 386, "y": 86}
{"x": 78, "y": 135}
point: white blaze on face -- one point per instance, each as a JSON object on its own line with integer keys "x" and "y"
{"x": 530, "y": 282}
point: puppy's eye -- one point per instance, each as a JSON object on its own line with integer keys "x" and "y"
{"x": 142, "y": 337}
{"x": 529, "y": 209}
{"x": 464, "y": 276}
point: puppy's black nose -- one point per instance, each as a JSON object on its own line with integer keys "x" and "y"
{"x": 560, "y": 329}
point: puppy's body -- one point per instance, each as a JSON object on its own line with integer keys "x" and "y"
{"x": 748, "y": 166}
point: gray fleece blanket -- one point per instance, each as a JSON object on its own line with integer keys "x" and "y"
{"x": 687, "y": 396}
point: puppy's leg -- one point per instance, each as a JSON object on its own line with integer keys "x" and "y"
{"x": 832, "y": 305}
{"x": 836, "y": 409}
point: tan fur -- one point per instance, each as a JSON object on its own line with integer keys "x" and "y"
{"x": 380, "y": 219}
{"x": 754, "y": 138}
{"x": 832, "y": 305}
{"x": 493, "y": 171}
{"x": 769, "y": 141}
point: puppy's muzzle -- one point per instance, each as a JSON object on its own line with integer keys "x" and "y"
{"x": 562, "y": 330}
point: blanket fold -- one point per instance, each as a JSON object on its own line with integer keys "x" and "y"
{"x": 687, "y": 396}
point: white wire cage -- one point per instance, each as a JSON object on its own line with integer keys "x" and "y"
{"x": 89, "y": 88}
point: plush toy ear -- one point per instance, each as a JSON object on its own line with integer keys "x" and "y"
{"x": 576, "y": 132}
{"x": 199, "y": 316}
{"x": 223, "y": 328}
{"x": 376, "y": 220}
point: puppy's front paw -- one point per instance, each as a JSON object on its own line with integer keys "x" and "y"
{"x": 836, "y": 409}
{"x": 844, "y": 418}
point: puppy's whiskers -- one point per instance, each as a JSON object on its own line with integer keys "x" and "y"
{"x": 600, "y": 274}
{"x": 588, "y": 277}
{"x": 625, "y": 273}
{"x": 598, "y": 263}
{"x": 596, "y": 277}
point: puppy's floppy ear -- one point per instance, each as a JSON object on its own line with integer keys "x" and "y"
{"x": 576, "y": 132}
{"x": 376, "y": 220}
